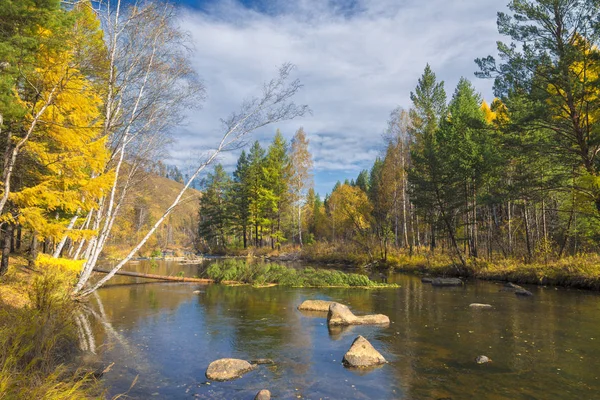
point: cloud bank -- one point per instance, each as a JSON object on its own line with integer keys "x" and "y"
{"x": 358, "y": 60}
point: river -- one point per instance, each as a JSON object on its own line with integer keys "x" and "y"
{"x": 543, "y": 347}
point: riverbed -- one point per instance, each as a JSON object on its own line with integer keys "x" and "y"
{"x": 163, "y": 336}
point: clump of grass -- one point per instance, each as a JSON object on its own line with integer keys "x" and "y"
{"x": 268, "y": 273}
{"x": 38, "y": 340}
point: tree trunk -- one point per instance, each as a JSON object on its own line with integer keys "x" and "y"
{"x": 300, "y": 224}
{"x": 33, "y": 251}
{"x": 527, "y": 236}
{"x": 6, "y": 242}
{"x": 19, "y": 238}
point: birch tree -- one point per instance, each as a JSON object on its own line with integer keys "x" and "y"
{"x": 274, "y": 104}
{"x": 301, "y": 177}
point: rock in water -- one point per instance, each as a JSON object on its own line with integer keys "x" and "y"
{"x": 340, "y": 314}
{"x": 228, "y": 368}
{"x": 262, "y": 361}
{"x": 263, "y": 395}
{"x": 446, "y": 282}
{"x": 480, "y": 305}
{"x": 523, "y": 292}
{"x": 482, "y": 360}
{"x": 362, "y": 354}
{"x": 426, "y": 280}
{"x": 315, "y": 305}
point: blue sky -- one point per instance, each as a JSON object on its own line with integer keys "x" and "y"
{"x": 357, "y": 59}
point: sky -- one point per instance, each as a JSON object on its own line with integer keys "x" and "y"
{"x": 357, "y": 59}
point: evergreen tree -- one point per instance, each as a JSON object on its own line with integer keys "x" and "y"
{"x": 429, "y": 108}
{"x": 215, "y": 208}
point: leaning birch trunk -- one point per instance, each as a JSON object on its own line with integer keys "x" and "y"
{"x": 273, "y": 106}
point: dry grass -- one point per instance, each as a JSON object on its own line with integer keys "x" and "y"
{"x": 38, "y": 337}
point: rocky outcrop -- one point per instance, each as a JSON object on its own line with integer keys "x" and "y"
{"x": 315, "y": 305}
{"x": 263, "y": 395}
{"x": 228, "y": 368}
{"x": 446, "y": 282}
{"x": 482, "y": 360}
{"x": 480, "y": 305}
{"x": 340, "y": 314}
{"x": 362, "y": 354}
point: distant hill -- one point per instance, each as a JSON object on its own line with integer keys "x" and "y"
{"x": 150, "y": 197}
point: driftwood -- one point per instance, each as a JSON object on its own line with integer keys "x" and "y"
{"x": 158, "y": 277}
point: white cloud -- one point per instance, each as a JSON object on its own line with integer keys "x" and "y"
{"x": 358, "y": 60}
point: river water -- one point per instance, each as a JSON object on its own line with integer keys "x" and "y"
{"x": 543, "y": 347}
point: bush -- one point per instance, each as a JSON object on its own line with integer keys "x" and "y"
{"x": 265, "y": 273}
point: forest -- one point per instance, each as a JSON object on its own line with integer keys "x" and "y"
{"x": 515, "y": 178}
{"x": 93, "y": 94}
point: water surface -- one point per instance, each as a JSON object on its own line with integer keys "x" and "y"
{"x": 545, "y": 347}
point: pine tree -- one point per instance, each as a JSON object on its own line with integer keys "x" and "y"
{"x": 429, "y": 108}
{"x": 215, "y": 209}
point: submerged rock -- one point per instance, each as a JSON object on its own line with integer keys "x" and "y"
{"x": 480, "y": 305}
{"x": 523, "y": 292}
{"x": 446, "y": 282}
{"x": 362, "y": 354}
{"x": 516, "y": 289}
{"x": 228, "y": 368}
{"x": 315, "y": 305}
{"x": 263, "y": 395}
{"x": 340, "y": 314}
{"x": 482, "y": 360}
{"x": 262, "y": 361}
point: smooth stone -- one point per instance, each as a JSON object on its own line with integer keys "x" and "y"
{"x": 340, "y": 314}
{"x": 447, "y": 282}
{"x": 315, "y": 305}
{"x": 480, "y": 305}
{"x": 196, "y": 291}
{"x": 263, "y": 395}
{"x": 362, "y": 354}
{"x": 426, "y": 280}
{"x": 482, "y": 360}
{"x": 228, "y": 368}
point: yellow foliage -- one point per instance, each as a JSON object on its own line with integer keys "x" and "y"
{"x": 45, "y": 261}
{"x": 69, "y": 151}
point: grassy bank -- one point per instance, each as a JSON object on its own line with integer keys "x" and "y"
{"x": 578, "y": 272}
{"x": 282, "y": 275}
{"x": 38, "y": 336}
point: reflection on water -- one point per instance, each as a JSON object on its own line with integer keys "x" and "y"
{"x": 542, "y": 347}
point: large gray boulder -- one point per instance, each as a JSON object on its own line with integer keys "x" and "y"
{"x": 315, "y": 305}
{"x": 226, "y": 369}
{"x": 446, "y": 282}
{"x": 263, "y": 395}
{"x": 362, "y": 354}
{"x": 340, "y": 314}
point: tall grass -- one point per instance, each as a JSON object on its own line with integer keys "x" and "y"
{"x": 266, "y": 273}
{"x": 38, "y": 342}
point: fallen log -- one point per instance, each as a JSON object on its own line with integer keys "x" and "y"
{"x": 157, "y": 277}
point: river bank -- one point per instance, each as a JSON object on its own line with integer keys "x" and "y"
{"x": 39, "y": 356}
{"x": 581, "y": 272}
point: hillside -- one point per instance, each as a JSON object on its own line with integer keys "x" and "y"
{"x": 151, "y": 196}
